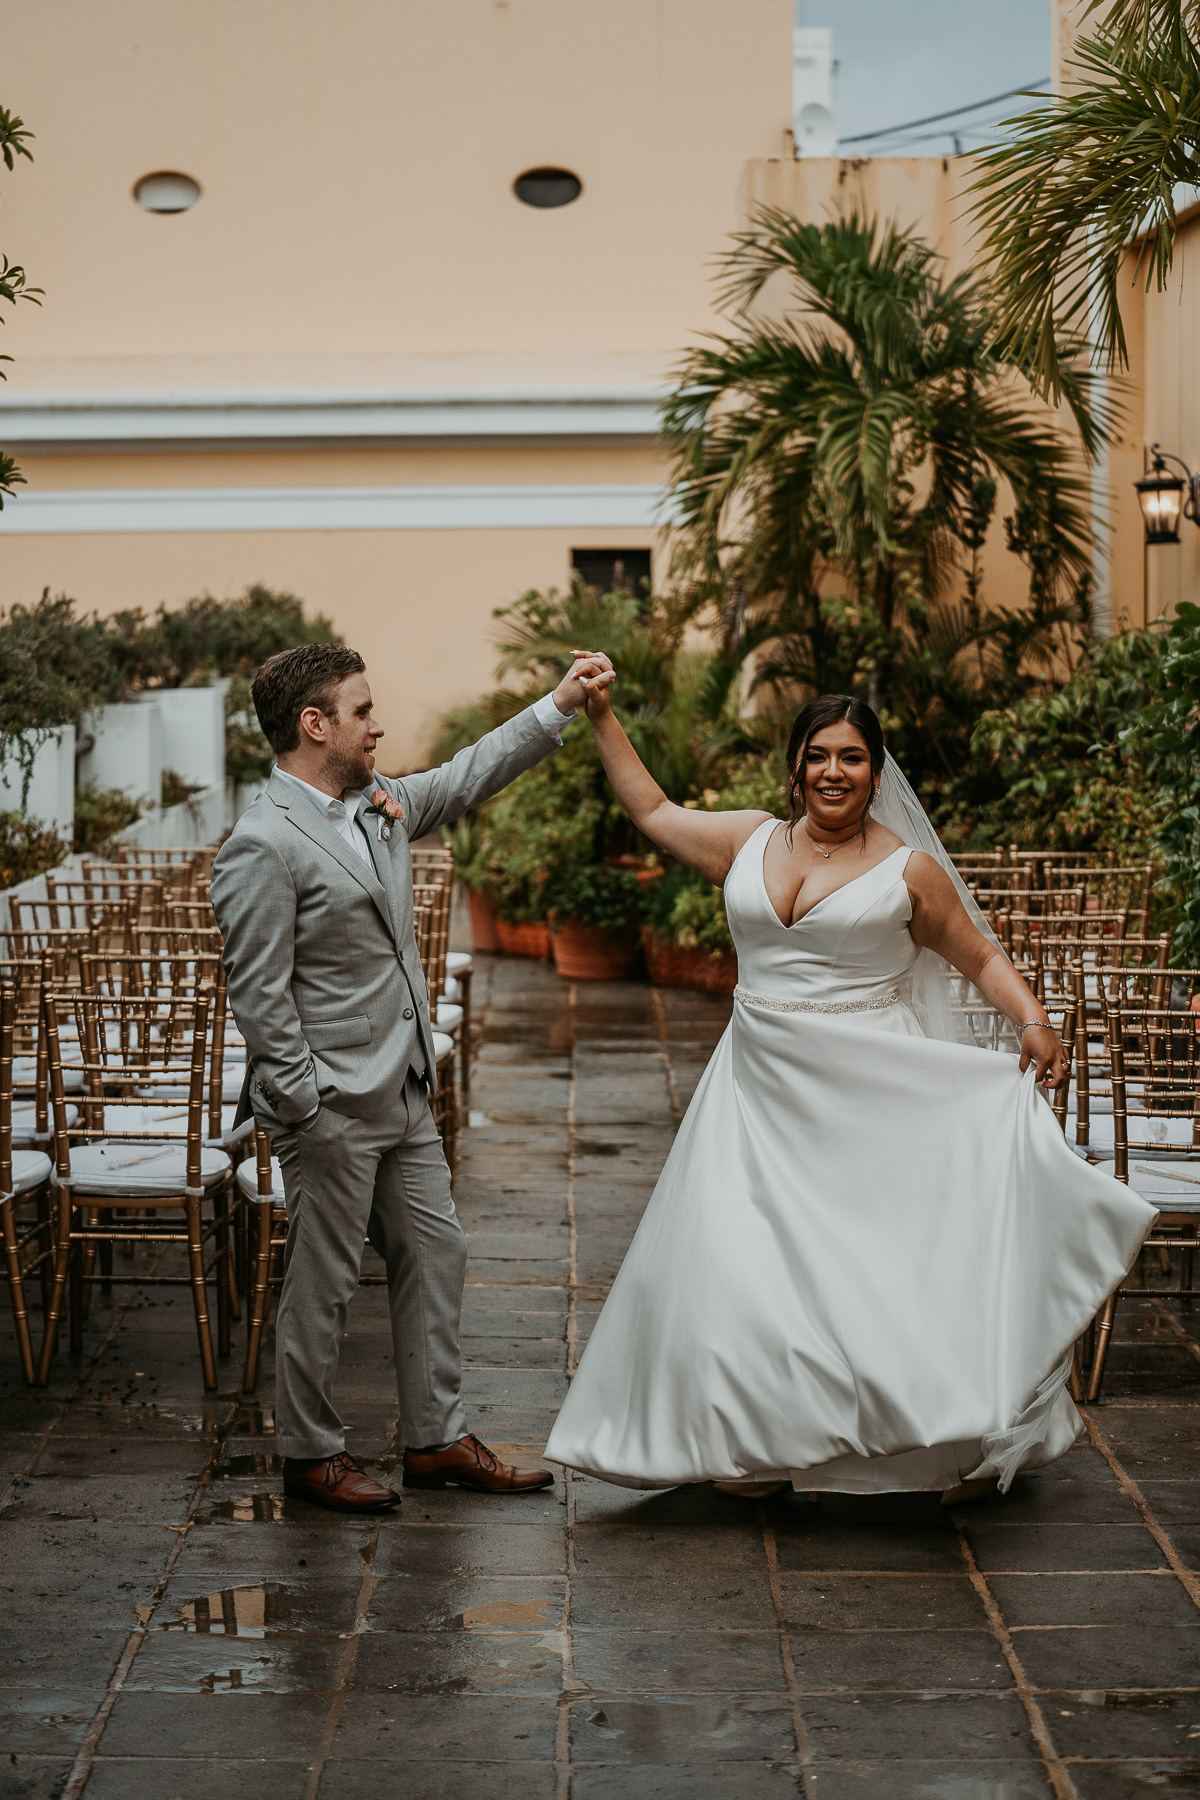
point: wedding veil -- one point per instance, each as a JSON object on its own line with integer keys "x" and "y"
{"x": 946, "y": 1004}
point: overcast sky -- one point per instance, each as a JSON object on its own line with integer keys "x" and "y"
{"x": 900, "y": 60}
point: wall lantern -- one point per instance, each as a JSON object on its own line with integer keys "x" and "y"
{"x": 1161, "y": 498}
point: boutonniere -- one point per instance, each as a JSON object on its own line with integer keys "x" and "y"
{"x": 389, "y": 812}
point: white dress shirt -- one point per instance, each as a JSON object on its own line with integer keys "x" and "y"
{"x": 346, "y": 815}
{"x": 343, "y": 815}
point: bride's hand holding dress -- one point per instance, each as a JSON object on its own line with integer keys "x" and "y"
{"x": 870, "y": 1249}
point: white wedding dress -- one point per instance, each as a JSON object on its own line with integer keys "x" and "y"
{"x": 870, "y": 1250}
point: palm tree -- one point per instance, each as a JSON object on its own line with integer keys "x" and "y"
{"x": 859, "y": 438}
{"x": 1090, "y": 178}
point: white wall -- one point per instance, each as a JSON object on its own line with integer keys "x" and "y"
{"x": 51, "y": 796}
{"x": 191, "y": 730}
{"x": 126, "y": 752}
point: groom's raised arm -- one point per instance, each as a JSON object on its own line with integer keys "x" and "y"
{"x": 255, "y": 902}
{"x": 436, "y": 796}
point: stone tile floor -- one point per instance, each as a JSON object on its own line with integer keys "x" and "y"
{"x": 172, "y": 1628}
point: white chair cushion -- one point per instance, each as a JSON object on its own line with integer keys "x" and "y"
{"x": 451, "y": 990}
{"x": 449, "y": 1018}
{"x": 25, "y": 1076}
{"x": 143, "y": 1171}
{"x": 139, "y": 1116}
{"x": 247, "y": 1180}
{"x": 443, "y": 1047}
{"x": 29, "y": 1169}
{"x": 229, "y": 1136}
{"x": 232, "y": 1077}
{"x": 24, "y": 1123}
{"x": 1171, "y": 1186}
{"x": 458, "y": 962}
{"x": 1143, "y": 1133}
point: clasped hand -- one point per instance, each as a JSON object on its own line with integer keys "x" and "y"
{"x": 592, "y": 674}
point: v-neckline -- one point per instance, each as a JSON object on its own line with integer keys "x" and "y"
{"x": 792, "y": 924}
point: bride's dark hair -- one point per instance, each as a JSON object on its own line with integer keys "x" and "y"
{"x": 830, "y": 709}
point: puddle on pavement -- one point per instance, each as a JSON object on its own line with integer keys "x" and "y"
{"x": 259, "y": 1464}
{"x": 247, "y": 1612}
{"x": 253, "y": 1420}
{"x": 246, "y": 1509}
{"x": 510, "y": 1615}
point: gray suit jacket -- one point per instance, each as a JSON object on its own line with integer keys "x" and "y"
{"x": 324, "y": 978}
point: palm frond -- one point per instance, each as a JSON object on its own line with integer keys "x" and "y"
{"x": 1087, "y": 185}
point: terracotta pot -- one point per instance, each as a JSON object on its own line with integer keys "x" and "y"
{"x": 644, "y": 872}
{"x": 592, "y": 953}
{"x": 528, "y": 939}
{"x": 670, "y": 965}
{"x": 483, "y": 921}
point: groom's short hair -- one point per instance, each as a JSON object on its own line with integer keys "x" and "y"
{"x": 309, "y": 675}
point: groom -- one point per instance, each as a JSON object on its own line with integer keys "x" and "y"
{"x": 314, "y": 896}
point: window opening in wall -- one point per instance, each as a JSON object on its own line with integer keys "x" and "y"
{"x": 547, "y": 187}
{"x": 613, "y": 571}
{"x": 167, "y": 191}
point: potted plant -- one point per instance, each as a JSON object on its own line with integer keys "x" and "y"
{"x": 595, "y": 909}
{"x": 686, "y": 936}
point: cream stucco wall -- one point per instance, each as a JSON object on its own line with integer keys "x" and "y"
{"x": 356, "y": 157}
{"x": 358, "y": 260}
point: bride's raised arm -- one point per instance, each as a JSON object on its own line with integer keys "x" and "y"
{"x": 706, "y": 841}
{"x": 940, "y": 922}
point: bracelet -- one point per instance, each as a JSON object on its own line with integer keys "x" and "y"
{"x": 1040, "y": 1024}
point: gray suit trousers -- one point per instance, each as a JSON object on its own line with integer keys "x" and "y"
{"x": 345, "y": 1180}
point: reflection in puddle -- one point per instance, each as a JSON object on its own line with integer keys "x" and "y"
{"x": 246, "y": 1612}
{"x": 253, "y": 1420}
{"x": 247, "y": 1509}
{"x": 510, "y": 1615}
{"x": 259, "y": 1464}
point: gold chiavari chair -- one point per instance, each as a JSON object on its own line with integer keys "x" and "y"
{"x": 127, "y": 1049}
{"x": 1130, "y": 968}
{"x": 1109, "y": 889}
{"x": 450, "y": 1006}
{"x": 170, "y": 876}
{"x": 1154, "y": 1057}
{"x": 1070, "y": 859}
{"x": 142, "y": 900}
{"x": 1034, "y": 903}
{"x": 431, "y": 932}
{"x": 149, "y": 861}
{"x": 88, "y": 926}
{"x": 1022, "y": 932}
{"x": 261, "y": 1186}
{"x": 24, "y": 1181}
{"x": 977, "y": 863}
{"x": 191, "y": 915}
{"x": 62, "y": 948}
{"x": 460, "y": 965}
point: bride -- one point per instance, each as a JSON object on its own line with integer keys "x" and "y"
{"x": 870, "y": 1250}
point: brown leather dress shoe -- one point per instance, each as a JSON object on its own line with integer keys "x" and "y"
{"x": 468, "y": 1463}
{"x": 338, "y": 1483}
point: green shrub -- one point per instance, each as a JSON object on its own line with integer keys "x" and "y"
{"x": 52, "y": 666}
{"x": 1111, "y": 761}
{"x": 27, "y": 847}
{"x": 100, "y": 813}
{"x": 686, "y": 907}
{"x": 248, "y": 756}
{"x": 598, "y": 894}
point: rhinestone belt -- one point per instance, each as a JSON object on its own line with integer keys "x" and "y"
{"x": 817, "y": 1006}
